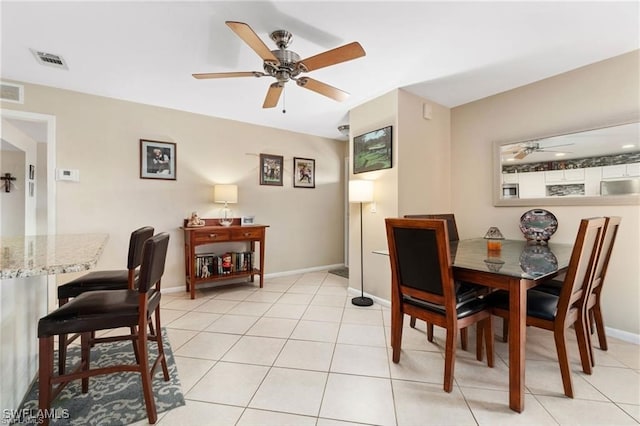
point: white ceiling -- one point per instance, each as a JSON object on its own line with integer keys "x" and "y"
{"x": 448, "y": 52}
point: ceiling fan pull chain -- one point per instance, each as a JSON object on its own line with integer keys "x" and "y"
{"x": 284, "y": 99}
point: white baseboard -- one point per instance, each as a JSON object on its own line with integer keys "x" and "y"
{"x": 621, "y": 335}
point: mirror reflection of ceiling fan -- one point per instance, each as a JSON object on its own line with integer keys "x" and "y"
{"x": 532, "y": 147}
{"x": 285, "y": 65}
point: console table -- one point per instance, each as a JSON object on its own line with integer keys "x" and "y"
{"x": 212, "y": 233}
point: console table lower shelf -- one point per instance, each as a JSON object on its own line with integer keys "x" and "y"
{"x": 212, "y": 233}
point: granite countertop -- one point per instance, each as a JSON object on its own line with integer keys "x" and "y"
{"x": 28, "y": 256}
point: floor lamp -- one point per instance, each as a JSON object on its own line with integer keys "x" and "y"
{"x": 361, "y": 191}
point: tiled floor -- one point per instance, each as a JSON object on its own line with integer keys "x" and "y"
{"x": 297, "y": 352}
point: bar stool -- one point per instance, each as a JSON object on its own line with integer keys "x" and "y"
{"x": 103, "y": 280}
{"x": 105, "y": 310}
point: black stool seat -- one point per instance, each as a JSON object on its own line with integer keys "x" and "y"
{"x": 96, "y": 310}
{"x": 94, "y": 281}
{"x": 463, "y": 309}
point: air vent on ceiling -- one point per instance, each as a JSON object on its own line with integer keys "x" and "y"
{"x": 11, "y": 92}
{"x": 50, "y": 59}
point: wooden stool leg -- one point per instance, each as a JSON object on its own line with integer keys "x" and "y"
{"x": 45, "y": 373}
{"x": 147, "y": 390}
{"x": 163, "y": 360}
{"x": 85, "y": 358}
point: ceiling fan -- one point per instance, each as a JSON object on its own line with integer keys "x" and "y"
{"x": 285, "y": 65}
{"x": 532, "y": 147}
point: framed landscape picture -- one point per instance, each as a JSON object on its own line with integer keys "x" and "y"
{"x": 271, "y": 167}
{"x": 304, "y": 173}
{"x": 372, "y": 150}
{"x": 157, "y": 160}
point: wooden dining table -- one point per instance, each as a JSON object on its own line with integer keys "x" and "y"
{"x": 516, "y": 267}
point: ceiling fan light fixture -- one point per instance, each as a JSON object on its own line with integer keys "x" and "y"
{"x": 344, "y": 129}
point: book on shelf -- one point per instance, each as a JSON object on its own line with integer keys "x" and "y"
{"x": 212, "y": 264}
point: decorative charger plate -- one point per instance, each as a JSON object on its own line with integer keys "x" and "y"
{"x": 538, "y": 225}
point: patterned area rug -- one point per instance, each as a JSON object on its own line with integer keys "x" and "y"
{"x": 113, "y": 399}
{"x": 343, "y": 272}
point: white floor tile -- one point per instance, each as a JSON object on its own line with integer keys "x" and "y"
{"x": 576, "y": 411}
{"x": 356, "y": 334}
{"x": 252, "y": 417}
{"x": 197, "y": 321}
{"x": 316, "y": 331}
{"x": 360, "y": 360}
{"x": 235, "y": 324}
{"x": 208, "y": 345}
{"x": 491, "y": 408}
{"x": 273, "y": 327}
{"x": 191, "y": 370}
{"x": 291, "y": 391}
{"x": 306, "y": 355}
{"x": 255, "y": 350}
{"x": 196, "y": 413}
{"x": 228, "y": 383}
{"x": 427, "y": 403}
{"x": 358, "y": 399}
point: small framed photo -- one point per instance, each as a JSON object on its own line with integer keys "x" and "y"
{"x": 247, "y": 220}
{"x": 271, "y": 168}
{"x": 304, "y": 173}
{"x": 157, "y": 160}
{"x": 32, "y": 172}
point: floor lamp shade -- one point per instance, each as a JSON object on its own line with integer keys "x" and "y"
{"x": 361, "y": 191}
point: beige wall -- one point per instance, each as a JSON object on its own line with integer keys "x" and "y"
{"x": 100, "y": 137}
{"x": 598, "y": 94}
{"x": 424, "y": 160}
{"x": 418, "y": 182}
{"x": 378, "y": 113}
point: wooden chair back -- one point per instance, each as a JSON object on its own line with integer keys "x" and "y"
{"x": 452, "y": 229}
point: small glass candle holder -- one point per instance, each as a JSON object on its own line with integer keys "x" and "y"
{"x": 494, "y": 239}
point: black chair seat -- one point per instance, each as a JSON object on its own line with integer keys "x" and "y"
{"x": 539, "y": 304}
{"x": 468, "y": 291}
{"x": 552, "y": 287}
{"x": 463, "y": 310}
{"x": 96, "y": 310}
{"x": 95, "y": 281}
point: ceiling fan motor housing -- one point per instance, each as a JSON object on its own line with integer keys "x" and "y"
{"x": 287, "y": 68}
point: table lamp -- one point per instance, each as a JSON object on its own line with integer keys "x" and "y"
{"x": 225, "y": 194}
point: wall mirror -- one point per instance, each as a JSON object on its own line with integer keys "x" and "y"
{"x": 598, "y": 166}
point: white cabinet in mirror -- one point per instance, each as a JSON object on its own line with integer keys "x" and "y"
{"x": 596, "y": 166}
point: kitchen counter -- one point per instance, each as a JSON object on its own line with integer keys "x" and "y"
{"x": 22, "y": 257}
{"x": 28, "y": 269}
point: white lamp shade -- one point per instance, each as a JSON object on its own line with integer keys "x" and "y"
{"x": 360, "y": 191}
{"x": 225, "y": 194}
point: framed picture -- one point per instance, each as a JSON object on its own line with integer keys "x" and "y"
{"x": 271, "y": 167}
{"x": 157, "y": 160}
{"x": 247, "y": 220}
{"x": 304, "y": 173}
{"x": 372, "y": 151}
{"x": 32, "y": 172}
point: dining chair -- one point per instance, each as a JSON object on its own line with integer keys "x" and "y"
{"x": 103, "y": 280}
{"x": 465, "y": 290}
{"x": 558, "y": 313}
{"x": 594, "y": 319}
{"x": 107, "y": 310}
{"x": 423, "y": 287}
